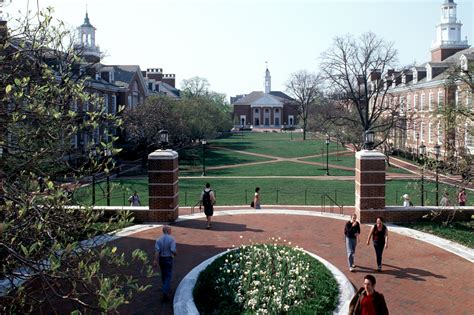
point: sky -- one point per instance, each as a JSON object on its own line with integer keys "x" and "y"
{"x": 230, "y": 42}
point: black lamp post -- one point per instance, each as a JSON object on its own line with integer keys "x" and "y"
{"x": 368, "y": 139}
{"x": 163, "y": 138}
{"x": 203, "y": 157}
{"x": 437, "y": 152}
{"x": 417, "y": 137}
{"x": 108, "y": 154}
{"x": 242, "y": 131}
{"x": 327, "y": 154}
{"x": 422, "y": 153}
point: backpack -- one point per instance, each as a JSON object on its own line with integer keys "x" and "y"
{"x": 206, "y": 198}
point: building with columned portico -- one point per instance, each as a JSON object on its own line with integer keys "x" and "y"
{"x": 264, "y": 110}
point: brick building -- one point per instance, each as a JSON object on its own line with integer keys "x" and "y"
{"x": 269, "y": 109}
{"x": 425, "y": 91}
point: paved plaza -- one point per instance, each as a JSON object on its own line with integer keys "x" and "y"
{"x": 417, "y": 277}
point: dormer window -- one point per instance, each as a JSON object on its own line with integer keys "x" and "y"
{"x": 415, "y": 76}
{"x": 429, "y": 73}
{"x": 404, "y": 79}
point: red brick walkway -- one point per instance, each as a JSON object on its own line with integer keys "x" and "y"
{"x": 417, "y": 279}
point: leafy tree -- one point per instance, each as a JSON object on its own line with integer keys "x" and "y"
{"x": 41, "y": 238}
{"x": 304, "y": 87}
{"x": 195, "y": 86}
{"x": 191, "y": 118}
{"x": 352, "y": 68}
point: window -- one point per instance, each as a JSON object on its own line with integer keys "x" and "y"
{"x": 402, "y": 104}
{"x": 430, "y": 130}
{"x": 414, "y": 130}
{"x": 430, "y": 101}
{"x": 408, "y": 103}
{"x": 256, "y": 110}
{"x": 114, "y": 104}
{"x": 468, "y": 136}
{"x": 440, "y": 133}
{"x": 106, "y": 103}
{"x": 422, "y": 131}
{"x": 415, "y": 102}
{"x": 468, "y": 100}
{"x": 456, "y": 98}
{"x": 440, "y": 100}
{"x": 277, "y": 110}
{"x": 129, "y": 101}
{"x": 408, "y": 129}
{"x": 422, "y": 102}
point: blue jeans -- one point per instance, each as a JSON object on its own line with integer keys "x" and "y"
{"x": 379, "y": 246}
{"x": 166, "y": 267}
{"x": 351, "y": 244}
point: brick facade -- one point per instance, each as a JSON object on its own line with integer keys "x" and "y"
{"x": 162, "y": 187}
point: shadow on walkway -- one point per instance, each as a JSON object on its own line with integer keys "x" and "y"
{"x": 216, "y": 226}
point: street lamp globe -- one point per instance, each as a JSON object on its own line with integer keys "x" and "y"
{"x": 163, "y": 138}
{"x": 327, "y": 139}
{"x": 369, "y": 139}
{"x": 422, "y": 150}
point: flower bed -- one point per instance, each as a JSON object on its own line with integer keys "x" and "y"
{"x": 266, "y": 278}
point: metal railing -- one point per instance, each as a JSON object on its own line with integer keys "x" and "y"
{"x": 332, "y": 203}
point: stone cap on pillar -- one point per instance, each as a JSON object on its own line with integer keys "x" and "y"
{"x": 163, "y": 155}
{"x": 369, "y": 155}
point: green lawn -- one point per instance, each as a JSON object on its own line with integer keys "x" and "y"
{"x": 461, "y": 232}
{"x": 275, "y": 144}
{"x": 348, "y": 160}
{"x": 231, "y": 191}
{"x": 274, "y": 169}
{"x": 190, "y": 158}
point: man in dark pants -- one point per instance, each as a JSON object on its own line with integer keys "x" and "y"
{"x": 165, "y": 250}
{"x": 367, "y": 300}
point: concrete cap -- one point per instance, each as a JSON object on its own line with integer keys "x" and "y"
{"x": 370, "y": 155}
{"x": 163, "y": 155}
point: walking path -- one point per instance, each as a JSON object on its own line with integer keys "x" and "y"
{"x": 417, "y": 277}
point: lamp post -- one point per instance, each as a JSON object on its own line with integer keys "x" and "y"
{"x": 242, "y": 131}
{"x": 417, "y": 137}
{"x": 108, "y": 154}
{"x": 422, "y": 153}
{"x": 368, "y": 139}
{"x": 163, "y": 138}
{"x": 204, "y": 157}
{"x": 327, "y": 154}
{"x": 437, "y": 152}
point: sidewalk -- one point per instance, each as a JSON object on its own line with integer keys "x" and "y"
{"x": 418, "y": 278}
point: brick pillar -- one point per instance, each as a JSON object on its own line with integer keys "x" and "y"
{"x": 369, "y": 185}
{"x": 163, "y": 186}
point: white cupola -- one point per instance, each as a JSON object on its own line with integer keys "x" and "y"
{"x": 448, "y": 31}
{"x": 268, "y": 81}
{"x": 87, "y": 39}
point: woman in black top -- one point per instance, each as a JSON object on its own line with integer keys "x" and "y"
{"x": 379, "y": 235}
{"x": 352, "y": 232}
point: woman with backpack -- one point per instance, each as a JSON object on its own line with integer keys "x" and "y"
{"x": 379, "y": 235}
{"x": 208, "y": 200}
